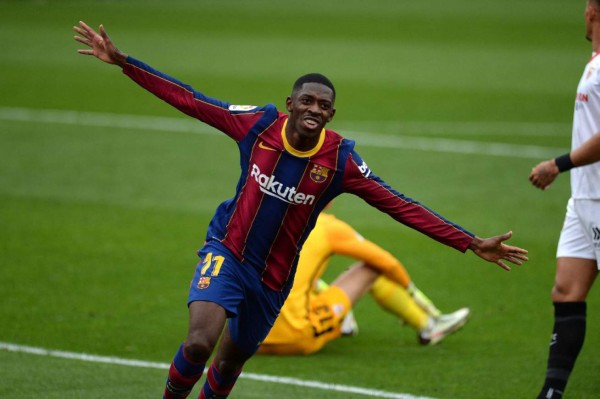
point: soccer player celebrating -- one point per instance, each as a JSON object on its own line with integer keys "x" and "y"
{"x": 314, "y": 315}
{"x": 579, "y": 243}
{"x": 291, "y": 168}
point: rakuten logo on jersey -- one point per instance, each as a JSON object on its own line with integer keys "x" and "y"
{"x": 270, "y": 186}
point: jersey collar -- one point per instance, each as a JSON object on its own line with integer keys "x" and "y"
{"x": 301, "y": 154}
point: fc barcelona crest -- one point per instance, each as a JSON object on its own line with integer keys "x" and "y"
{"x": 204, "y": 282}
{"x": 319, "y": 173}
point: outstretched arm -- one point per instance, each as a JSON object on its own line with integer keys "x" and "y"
{"x": 494, "y": 250}
{"x": 344, "y": 240}
{"x": 100, "y": 45}
{"x": 236, "y": 123}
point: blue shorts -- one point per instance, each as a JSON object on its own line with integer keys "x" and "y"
{"x": 251, "y": 306}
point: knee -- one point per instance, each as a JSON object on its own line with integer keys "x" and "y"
{"x": 229, "y": 367}
{"x": 198, "y": 348}
{"x": 566, "y": 293}
{"x": 558, "y": 293}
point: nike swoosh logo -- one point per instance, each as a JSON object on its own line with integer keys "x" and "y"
{"x": 264, "y": 147}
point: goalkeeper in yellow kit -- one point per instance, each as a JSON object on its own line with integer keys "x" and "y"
{"x": 315, "y": 313}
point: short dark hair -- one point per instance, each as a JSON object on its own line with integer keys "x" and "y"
{"x": 313, "y": 78}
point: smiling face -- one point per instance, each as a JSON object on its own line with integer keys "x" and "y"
{"x": 311, "y": 107}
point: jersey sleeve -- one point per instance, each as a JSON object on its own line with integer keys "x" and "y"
{"x": 359, "y": 180}
{"x": 344, "y": 240}
{"x": 233, "y": 120}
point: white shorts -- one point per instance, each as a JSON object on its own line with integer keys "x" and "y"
{"x": 580, "y": 235}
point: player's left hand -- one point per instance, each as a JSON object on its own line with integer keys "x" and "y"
{"x": 543, "y": 174}
{"x": 494, "y": 250}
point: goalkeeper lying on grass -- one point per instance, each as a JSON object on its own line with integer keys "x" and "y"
{"x": 315, "y": 313}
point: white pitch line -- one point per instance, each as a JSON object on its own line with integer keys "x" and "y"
{"x": 375, "y": 393}
{"x": 365, "y": 138}
{"x": 102, "y": 119}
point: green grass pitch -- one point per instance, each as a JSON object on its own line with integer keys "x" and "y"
{"x": 105, "y": 192}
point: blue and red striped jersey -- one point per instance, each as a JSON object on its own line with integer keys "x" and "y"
{"x": 281, "y": 191}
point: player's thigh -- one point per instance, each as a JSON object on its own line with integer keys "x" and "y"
{"x": 578, "y": 251}
{"x": 206, "y": 323}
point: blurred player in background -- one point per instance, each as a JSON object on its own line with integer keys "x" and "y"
{"x": 315, "y": 314}
{"x": 291, "y": 168}
{"x": 579, "y": 244}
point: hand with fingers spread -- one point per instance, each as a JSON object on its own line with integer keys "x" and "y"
{"x": 100, "y": 44}
{"x": 494, "y": 250}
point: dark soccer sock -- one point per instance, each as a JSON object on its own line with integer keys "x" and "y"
{"x": 216, "y": 385}
{"x": 183, "y": 374}
{"x": 567, "y": 340}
